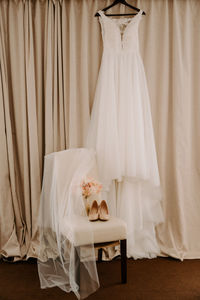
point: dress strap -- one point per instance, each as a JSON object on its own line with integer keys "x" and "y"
{"x": 140, "y": 12}
{"x": 101, "y": 13}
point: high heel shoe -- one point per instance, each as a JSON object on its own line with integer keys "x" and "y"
{"x": 93, "y": 212}
{"x": 103, "y": 211}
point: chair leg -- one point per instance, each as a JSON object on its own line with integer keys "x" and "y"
{"x": 123, "y": 261}
{"x": 77, "y": 265}
{"x": 100, "y": 254}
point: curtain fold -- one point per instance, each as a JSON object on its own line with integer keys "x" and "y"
{"x": 50, "y": 53}
{"x": 12, "y": 232}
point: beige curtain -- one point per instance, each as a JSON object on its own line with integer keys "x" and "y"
{"x": 50, "y": 53}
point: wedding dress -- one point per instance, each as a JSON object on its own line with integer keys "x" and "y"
{"x": 121, "y": 133}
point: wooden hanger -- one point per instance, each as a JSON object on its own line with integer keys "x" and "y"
{"x": 122, "y": 2}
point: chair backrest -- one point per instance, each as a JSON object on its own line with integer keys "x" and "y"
{"x": 63, "y": 173}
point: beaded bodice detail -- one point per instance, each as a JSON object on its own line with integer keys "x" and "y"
{"x": 120, "y": 35}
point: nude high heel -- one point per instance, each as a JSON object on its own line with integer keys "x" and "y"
{"x": 103, "y": 211}
{"x": 93, "y": 213}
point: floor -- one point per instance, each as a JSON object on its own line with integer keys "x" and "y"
{"x": 156, "y": 279}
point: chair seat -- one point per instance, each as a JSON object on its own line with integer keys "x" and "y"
{"x": 79, "y": 228}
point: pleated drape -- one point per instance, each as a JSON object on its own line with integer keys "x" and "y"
{"x": 50, "y": 53}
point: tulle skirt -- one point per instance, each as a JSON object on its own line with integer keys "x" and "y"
{"x": 121, "y": 132}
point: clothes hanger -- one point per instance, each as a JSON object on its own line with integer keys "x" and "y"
{"x": 122, "y": 2}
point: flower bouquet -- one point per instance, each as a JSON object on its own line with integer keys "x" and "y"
{"x": 90, "y": 187}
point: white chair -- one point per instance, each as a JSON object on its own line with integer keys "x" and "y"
{"x": 67, "y": 237}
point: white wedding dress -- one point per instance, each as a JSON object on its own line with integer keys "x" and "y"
{"x": 121, "y": 133}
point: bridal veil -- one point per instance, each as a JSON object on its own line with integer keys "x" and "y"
{"x": 61, "y": 262}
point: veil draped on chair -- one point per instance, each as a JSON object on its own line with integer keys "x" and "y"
{"x": 61, "y": 262}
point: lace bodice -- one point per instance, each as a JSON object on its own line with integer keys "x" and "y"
{"x": 120, "y": 35}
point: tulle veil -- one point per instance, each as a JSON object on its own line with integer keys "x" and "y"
{"x": 61, "y": 262}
